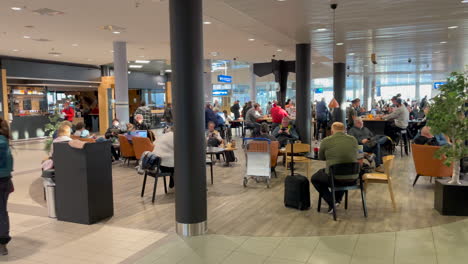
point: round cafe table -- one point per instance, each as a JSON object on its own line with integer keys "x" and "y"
{"x": 214, "y": 150}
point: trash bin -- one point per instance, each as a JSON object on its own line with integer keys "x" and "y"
{"x": 49, "y": 186}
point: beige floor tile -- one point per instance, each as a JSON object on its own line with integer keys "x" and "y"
{"x": 281, "y": 261}
{"x": 338, "y": 244}
{"x": 259, "y": 246}
{"x": 328, "y": 257}
{"x": 382, "y": 245}
{"x": 238, "y": 258}
{"x": 292, "y": 253}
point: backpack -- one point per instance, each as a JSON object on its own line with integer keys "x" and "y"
{"x": 212, "y": 142}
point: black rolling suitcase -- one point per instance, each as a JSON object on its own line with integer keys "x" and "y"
{"x": 296, "y": 189}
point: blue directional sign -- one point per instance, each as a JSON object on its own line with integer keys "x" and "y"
{"x": 220, "y": 92}
{"x": 224, "y": 78}
{"x": 319, "y": 90}
{"x": 437, "y": 84}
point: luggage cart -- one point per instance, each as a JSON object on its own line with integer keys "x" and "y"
{"x": 258, "y": 159}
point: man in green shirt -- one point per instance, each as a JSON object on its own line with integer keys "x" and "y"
{"x": 336, "y": 149}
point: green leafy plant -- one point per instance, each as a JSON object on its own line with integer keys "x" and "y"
{"x": 447, "y": 115}
{"x": 50, "y": 129}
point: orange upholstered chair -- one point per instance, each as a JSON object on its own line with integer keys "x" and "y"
{"x": 74, "y": 137}
{"x": 426, "y": 164}
{"x": 140, "y": 145}
{"x": 126, "y": 149}
{"x": 88, "y": 140}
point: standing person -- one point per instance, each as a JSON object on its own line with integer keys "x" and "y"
{"x": 322, "y": 118}
{"x": 145, "y": 111}
{"x": 168, "y": 114}
{"x": 353, "y": 111}
{"x": 6, "y": 185}
{"x": 68, "y": 111}
{"x": 246, "y": 108}
{"x": 268, "y": 108}
{"x": 277, "y": 115}
{"x": 210, "y": 115}
{"x": 235, "y": 110}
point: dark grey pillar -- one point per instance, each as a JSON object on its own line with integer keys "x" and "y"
{"x": 188, "y": 99}
{"x": 367, "y": 91}
{"x": 339, "y": 91}
{"x": 121, "y": 81}
{"x": 303, "y": 110}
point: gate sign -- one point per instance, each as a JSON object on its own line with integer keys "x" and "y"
{"x": 437, "y": 84}
{"x": 224, "y": 78}
{"x": 220, "y": 92}
{"x": 319, "y": 90}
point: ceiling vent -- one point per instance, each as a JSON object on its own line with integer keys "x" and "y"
{"x": 55, "y": 53}
{"x": 113, "y": 28}
{"x": 48, "y": 12}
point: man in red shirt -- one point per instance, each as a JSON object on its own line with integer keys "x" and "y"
{"x": 68, "y": 111}
{"x": 277, "y": 115}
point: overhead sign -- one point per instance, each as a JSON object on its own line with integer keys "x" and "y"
{"x": 220, "y": 92}
{"x": 224, "y": 78}
{"x": 437, "y": 84}
{"x": 319, "y": 90}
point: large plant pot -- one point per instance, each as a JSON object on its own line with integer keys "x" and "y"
{"x": 451, "y": 199}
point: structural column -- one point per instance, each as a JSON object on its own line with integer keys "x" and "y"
{"x": 188, "y": 99}
{"x": 253, "y": 84}
{"x": 373, "y": 89}
{"x": 339, "y": 91}
{"x": 303, "y": 109}
{"x": 207, "y": 82}
{"x": 367, "y": 90}
{"x": 121, "y": 81}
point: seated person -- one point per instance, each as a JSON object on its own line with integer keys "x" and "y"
{"x": 213, "y": 138}
{"x": 265, "y": 132}
{"x": 426, "y": 138}
{"x": 63, "y": 135}
{"x": 81, "y": 131}
{"x": 336, "y": 149}
{"x": 251, "y": 117}
{"x": 66, "y": 122}
{"x": 366, "y": 138}
{"x": 130, "y": 132}
{"x": 285, "y": 133}
{"x": 164, "y": 148}
{"x": 140, "y": 123}
{"x": 113, "y": 131}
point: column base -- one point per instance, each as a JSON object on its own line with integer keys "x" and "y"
{"x": 187, "y": 230}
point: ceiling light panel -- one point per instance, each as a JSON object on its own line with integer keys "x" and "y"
{"x": 142, "y": 61}
{"x": 47, "y": 12}
{"x": 133, "y": 66}
{"x": 16, "y": 8}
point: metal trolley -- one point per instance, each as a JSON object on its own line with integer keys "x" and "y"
{"x": 258, "y": 159}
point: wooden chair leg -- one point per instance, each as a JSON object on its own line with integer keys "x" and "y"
{"x": 392, "y": 196}
{"x": 416, "y": 179}
{"x": 154, "y": 188}
{"x": 144, "y": 184}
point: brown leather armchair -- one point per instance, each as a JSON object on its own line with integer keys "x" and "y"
{"x": 140, "y": 145}
{"x": 126, "y": 149}
{"x": 427, "y": 165}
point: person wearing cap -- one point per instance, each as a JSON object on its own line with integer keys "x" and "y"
{"x": 353, "y": 111}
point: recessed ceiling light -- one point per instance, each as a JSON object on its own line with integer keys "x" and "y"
{"x": 168, "y": 70}
{"x": 339, "y": 43}
{"x": 464, "y": 2}
{"x": 443, "y": 42}
{"x": 251, "y": 39}
{"x": 142, "y": 61}
{"x": 16, "y": 50}
{"x": 75, "y": 45}
{"x": 129, "y": 72}
{"x": 207, "y": 23}
{"x": 26, "y": 37}
{"x": 111, "y": 51}
{"x": 452, "y": 27}
{"x": 116, "y": 32}
{"x": 321, "y": 29}
{"x": 16, "y": 8}
{"x": 281, "y": 0}
{"x": 133, "y": 66}
{"x": 351, "y": 54}
{"x": 279, "y": 50}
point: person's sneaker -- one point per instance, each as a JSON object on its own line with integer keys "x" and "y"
{"x": 330, "y": 209}
{"x": 3, "y": 250}
{"x": 380, "y": 169}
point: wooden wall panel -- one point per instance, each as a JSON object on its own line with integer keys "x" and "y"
{"x": 5, "y": 94}
{"x": 106, "y": 83}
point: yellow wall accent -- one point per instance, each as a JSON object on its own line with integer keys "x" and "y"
{"x": 168, "y": 92}
{"x": 106, "y": 83}
{"x": 5, "y": 95}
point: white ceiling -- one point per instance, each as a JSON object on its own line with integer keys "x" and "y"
{"x": 395, "y": 30}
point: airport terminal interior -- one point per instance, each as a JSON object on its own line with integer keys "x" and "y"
{"x": 234, "y": 131}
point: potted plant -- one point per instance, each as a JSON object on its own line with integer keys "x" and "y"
{"x": 50, "y": 129}
{"x": 448, "y": 115}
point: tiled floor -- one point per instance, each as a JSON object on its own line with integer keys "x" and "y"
{"x": 446, "y": 244}
{"x": 245, "y": 225}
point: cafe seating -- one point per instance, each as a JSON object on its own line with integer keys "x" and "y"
{"x": 140, "y": 145}
{"x": 274, "y": 151}
{"x": 427, "y": 165}
{"x": 403, "y": 141}
{"x": 126, "y": 149}
{"x": 156, "y": 173}
{"x": 382, "y": 177}
{"x": 343, "y": 172}
{"x": 211, "y": 162}
{"x": 88, "y": 140}
{"x": 299, "y": 150}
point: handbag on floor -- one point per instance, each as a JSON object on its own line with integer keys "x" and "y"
{"x": 296, "y": 189}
